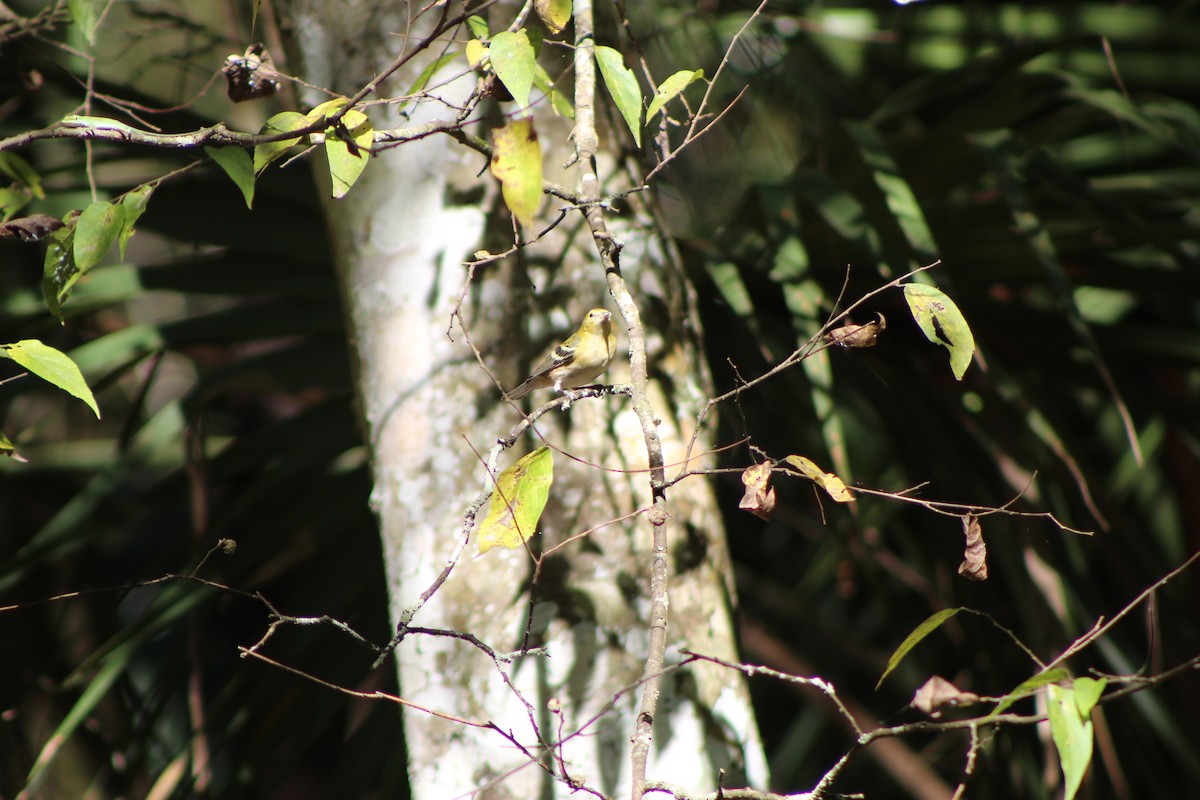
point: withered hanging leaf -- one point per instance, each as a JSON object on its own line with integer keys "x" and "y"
{"x": 33, "y": 228}
{"x": 759, "y": 498}
{"x": 251, "y": 75}
{"x": 851, "y": 335}
{"x": 975, "y": 565}
{"x": 938, "y": 693}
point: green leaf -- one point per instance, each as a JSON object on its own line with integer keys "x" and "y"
{"x": 623, "y": 86}
{"x": 12, "y": 200}
{"x": 83, "y": 708}
{"x": 7, "y": 448}
{"x": 942, "y": 323}
{"x": 83, "y": 14}
{"x": 897, "y": 193}
{"x": 728, "y": 280}
{"x": 58, "y": 269}
{"x": 1027, "y": 687}
{"x": 555, "y": 14}
{"x": 671, "y": 87}
{"x": 1072, "y": 736}
{"x": 134, "y": 203}
{"x": 1087, "y": 694}
{"x": 22, "y": 174}
{"x": 426, "y": 74}
{"x": 924, "y": 629}
{"x": 51, "y": 365}
{"x": 478, "y": 26}
{"x": 517, "y": 501}
{"x": 95, "y": 233}
{"x": 558, "y": 102}
{"x": 345, "y": 163}
{"x": 514, "y": 61}
{"x": 238, "y": 166}
{"x": 517, "y": 164}
{"x": 283, "y": 122}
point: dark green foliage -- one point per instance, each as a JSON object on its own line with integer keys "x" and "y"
{"x": 1062, "y": 206}
{"x": 246, "y": 361}
{"x": 994, "y": 137}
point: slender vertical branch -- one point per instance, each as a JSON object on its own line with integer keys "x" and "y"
{"x": 586, "y": 143}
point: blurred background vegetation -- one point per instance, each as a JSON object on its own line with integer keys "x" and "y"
{"x": 1047, "y": 153}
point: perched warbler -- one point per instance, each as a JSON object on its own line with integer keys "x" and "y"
{"x": 578, "y": 361}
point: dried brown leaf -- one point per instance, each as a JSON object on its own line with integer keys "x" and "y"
{"x": 938, "y": 693}
{"x": 974, "y": 567}
{"x": 33, "y": 228}
{"x": 851, "y": 335}
{"x": 759, "y": 498}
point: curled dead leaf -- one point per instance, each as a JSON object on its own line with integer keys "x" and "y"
{"x": 851, "y": 335}
{"x": 759, "y": 498}
{"x": 974, "y": 567}
{"x": 938, "y": 693}
{"x": 33, "y": 228}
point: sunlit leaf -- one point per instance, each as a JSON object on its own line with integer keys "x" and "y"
{"x": 517, "y": 164}
{"x": 51, "y": 365}
{"x": 347, "y": 162}
{"x": 478, "y": 26}
{"x": 623, "y": 86}
{"x": 84, "y": 15}
{"x": 97, "y": 229}
{"x": 517, "y": 501}
{"x": 1087, "y": 694}
{"x": 1028, "y": 687}
{"x": 239, "y": 166}
{"x": 901, "y": 201}
{"x": 942, "y": 323}
{"x": 423, "y": 79}
{"x": 827, "y": 480}
{"x": 134, "y": 203}
{"x": 558, "y": 101}
{"x": 476, "y": 53}
{"x": 283, "y": 122}
{"x": 555, "y": 14}
{"x": 672, "y": 86}
{"x": 920, "y": 632}
{"x": 1072, "y": 736}
{"x": 514, "y": 61}
{"x": 8, "y": 449}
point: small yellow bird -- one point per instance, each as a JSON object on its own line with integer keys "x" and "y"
{"x": 576, "y": 362}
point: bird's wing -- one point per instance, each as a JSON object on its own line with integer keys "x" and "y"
{"x": 560, "y": 356}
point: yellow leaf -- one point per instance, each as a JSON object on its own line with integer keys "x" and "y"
{"x": 346, "y": 161}
{"x": 517, "y": 164}
{"x": 476, "y": 52}
{"x": 827, "y": 480}
{"x": 517, "y": 501}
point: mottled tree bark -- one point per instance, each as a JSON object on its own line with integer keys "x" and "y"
{"x": 399, "y": 246}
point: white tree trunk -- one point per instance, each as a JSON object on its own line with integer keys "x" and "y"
{"x": 399, "y": 248}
